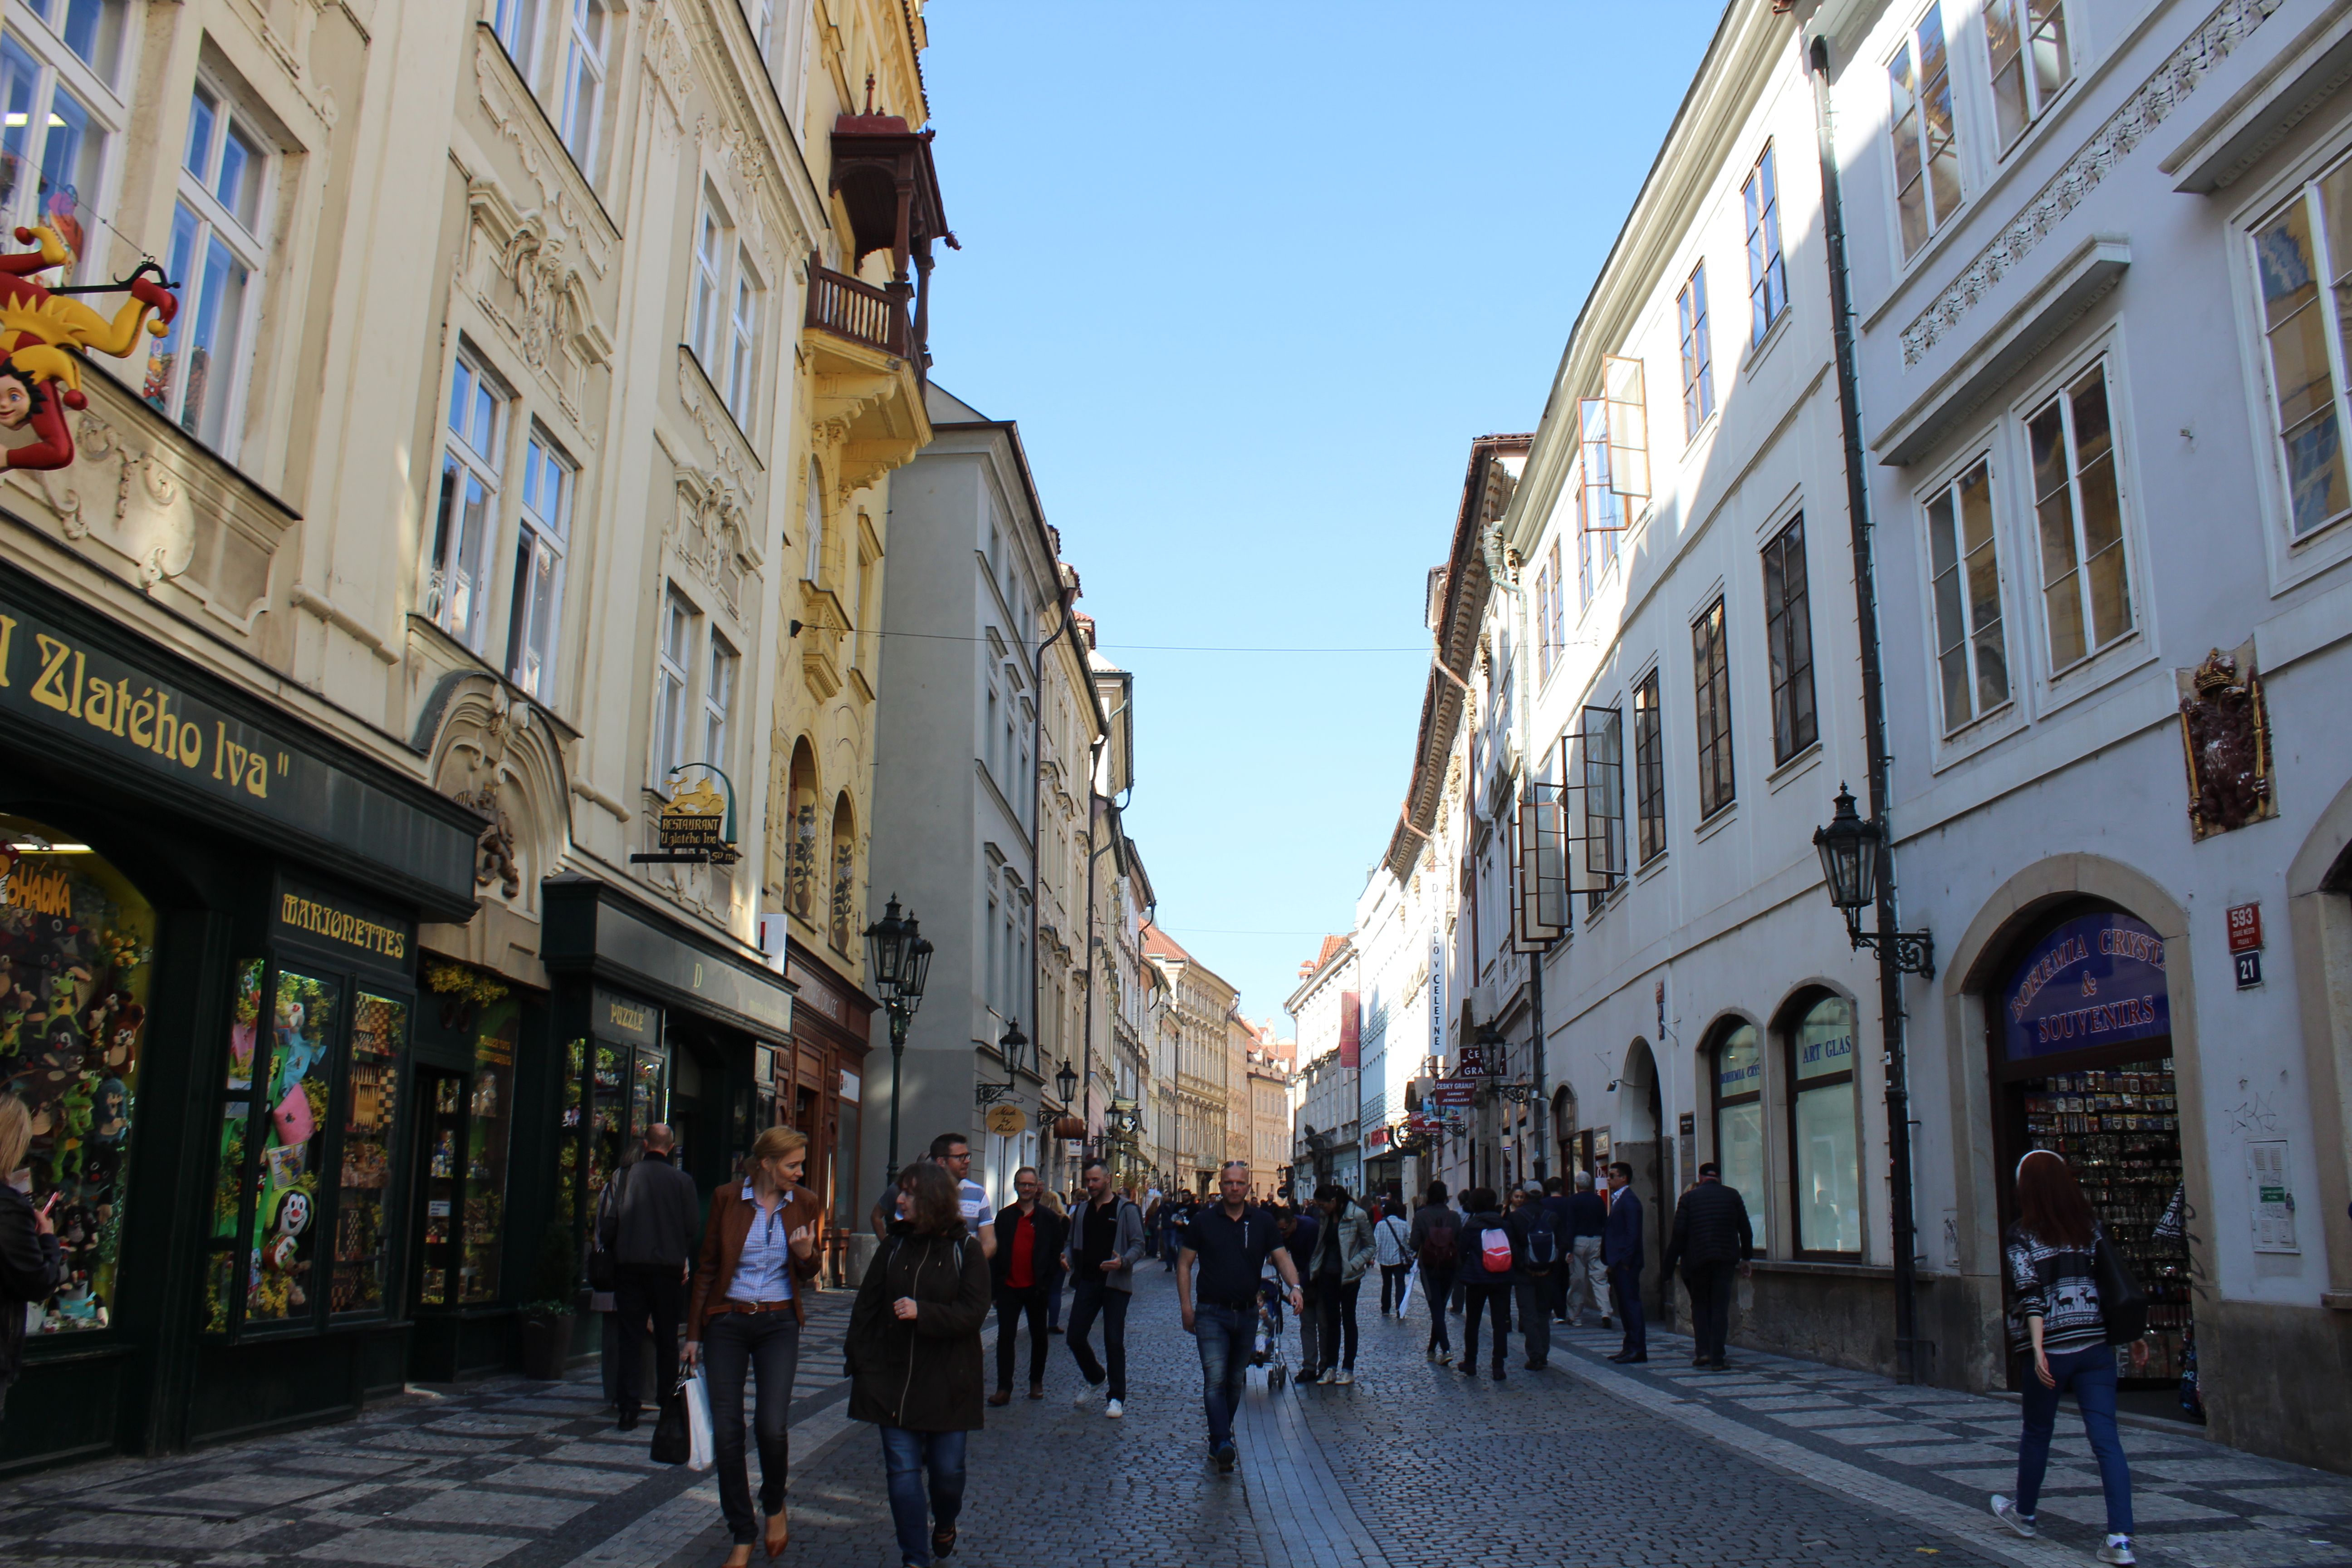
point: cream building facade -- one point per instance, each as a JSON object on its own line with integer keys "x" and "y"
{"x": 1199, "y": 1005}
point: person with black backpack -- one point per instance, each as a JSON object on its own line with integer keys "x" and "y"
{"x": 1536, "y": 1230}
{"x": 1494, "y": 1268}
{"x": 2066, "y": 1327}
{"x": 1437, "y": 1244}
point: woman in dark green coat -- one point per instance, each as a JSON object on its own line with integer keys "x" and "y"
{"x": 914, "y": 1358}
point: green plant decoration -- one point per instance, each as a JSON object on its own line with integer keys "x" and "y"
{"x": 554, "y": 1276}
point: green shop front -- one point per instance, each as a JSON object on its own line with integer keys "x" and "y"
{"x": 209, "y": 990}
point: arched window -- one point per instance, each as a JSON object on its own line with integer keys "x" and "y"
{"x": 804, "y": 873}
{"x": 1739, "y": 1116}
{"x": 1825, "y": 1134}
{"x": 844, "y": 855}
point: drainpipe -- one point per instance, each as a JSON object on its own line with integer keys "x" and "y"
{"x": 1904, "y": 1224}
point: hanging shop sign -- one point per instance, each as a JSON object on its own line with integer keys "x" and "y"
{"x": 1473, "y": 1062}
{"x": 1007, "y": 1121}
{"x": 2095, "y": 981}
{"x": 1454, "y": 1091}
{"x": 1351, "y": 1030}
{"x": 51, "y": 332}
{"x": 695, "y": 826}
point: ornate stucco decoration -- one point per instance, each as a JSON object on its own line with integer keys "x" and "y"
{"x": 712, "y": 534}
{"x": 719, "y": 432}
{"x": 524, "y": 278}
{"x": 561, "y": 188}
{"x": 2180, "y": 75}
{"x": 2225, "y": 737}
{"x": 497, "y": 753}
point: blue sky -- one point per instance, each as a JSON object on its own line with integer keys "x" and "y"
{"x": 1252, "y": 278}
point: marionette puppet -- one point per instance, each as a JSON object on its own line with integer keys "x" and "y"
{"x": 44, "y": 334}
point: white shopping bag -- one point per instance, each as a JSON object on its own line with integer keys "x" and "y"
{"x": 1406, "y": 1299}
{"x": 697, "y": 1422}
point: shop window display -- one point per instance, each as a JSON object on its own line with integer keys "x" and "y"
{"x": 362, "y": 1244}
{"x": 491, "y": 1095}
{"x": 1825, "y": 1137}
{"x": 1739, "y": 1118}
{"x": 285, "y": 1180}
{"x": 76, "y": 946}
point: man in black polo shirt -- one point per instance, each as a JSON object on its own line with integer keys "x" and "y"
{"x": 1232, "y": 1242}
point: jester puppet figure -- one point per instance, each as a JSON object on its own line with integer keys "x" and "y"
{"x": 44, "y": 334}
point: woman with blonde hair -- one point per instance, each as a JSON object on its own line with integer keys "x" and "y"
{"x": 759, "y": 1254}
{"x": 32, "y": 1265}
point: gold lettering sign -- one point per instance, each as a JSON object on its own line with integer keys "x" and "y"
{"x": 635, "y": 1020}
{"x": 40, "y": 888}
{"x": 694, "y": 822}
{"x": 342, "y": 927}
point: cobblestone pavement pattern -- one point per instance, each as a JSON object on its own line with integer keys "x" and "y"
{"x": 1778, "y": 1462}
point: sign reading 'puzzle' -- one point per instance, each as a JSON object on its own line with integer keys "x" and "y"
{"x": 2095, "y": 981}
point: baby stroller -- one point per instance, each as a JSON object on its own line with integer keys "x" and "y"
{"x": 1267, "y": 1370}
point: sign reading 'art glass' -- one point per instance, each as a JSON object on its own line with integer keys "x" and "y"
{"x": 2095, "y": 981}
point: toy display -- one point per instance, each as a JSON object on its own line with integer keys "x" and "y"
{"x": 76, "y": 951}
{"x": 371, "y": 1089}
{"x": 279, "y": 1281}
{"x": 45, "y": 332}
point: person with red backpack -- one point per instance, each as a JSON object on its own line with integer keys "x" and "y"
{"x": 1436, "y": 1246}
{"x": 1493, "y": 1268}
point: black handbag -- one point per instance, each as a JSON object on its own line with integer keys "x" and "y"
{"x": 600, "y": 1266}
{"x": 2123, "y": 1305}
{"x": 671, "y": 1444}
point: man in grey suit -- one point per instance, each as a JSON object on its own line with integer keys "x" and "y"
{"x": 651, "y": 1233}
{"x": 1106, "y": 1241}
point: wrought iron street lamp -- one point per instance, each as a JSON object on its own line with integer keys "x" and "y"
{"x": 1850, "y": 850}
{"x": 1067, "y": 1080}
{"x": 899, "y": 956}
{"x": 1012, "y": 1046}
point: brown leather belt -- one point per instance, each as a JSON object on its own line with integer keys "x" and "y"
{"x": 755, "y": 1308}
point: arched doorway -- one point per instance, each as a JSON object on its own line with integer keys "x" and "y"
{"x": 2079, "y": 1047}
{"x": 1638, "y": 1140}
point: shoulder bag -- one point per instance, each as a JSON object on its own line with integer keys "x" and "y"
{"x": 2123, "y": 1305}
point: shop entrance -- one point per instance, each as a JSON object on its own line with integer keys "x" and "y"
{"x": 2081, "y": 1054}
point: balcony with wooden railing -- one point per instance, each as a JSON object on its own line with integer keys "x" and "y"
{"x": 859, "y": 311}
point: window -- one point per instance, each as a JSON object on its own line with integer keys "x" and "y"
{"x": 543, "y": 523}
{"x": 1557, "y": 627}
{"x": 196, "y": 371}
{"x": 1926, "y": 152}
{"x": 717, "y": 702}
{"x": 2029, "y": 65}
{"x": 1824, "y": 1135}
{"x": 1739, "y": 1117}
{"x": 1649, "y": 770}
{"x": 714, "y": 242}
{"x": 1767, "y": 275}
{"x": 57, "y": 88}
{"x": 1711, "y": 674}
{"x": 582, "y": 83}
{"x": 673, "y": 672}
{"x": 1699, "y": 358}
{"x": 456, "y": 590}
{"x": 1604, "y": 799}
{"x": 1544, "y": 590}
{"x": 1789, "y": 641}
{"x": 2085, "y": 576}
{"x": 743, "y": 342}
{"x": 1970, "y": 655}
{"x": 2299, "y": 256}
{"x": 814, "y": 566}
{"x": 517, "y": 23}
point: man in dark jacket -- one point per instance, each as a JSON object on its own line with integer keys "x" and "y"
{"x": 1029, "y": 1238}
{"x": 1620, "y": 1251}
{"x": 651, "y": 1231}
{"x": 1587, "y": 1218}
{"x": 1712, "y": 1239}
{"x": 1535, "y": 1236}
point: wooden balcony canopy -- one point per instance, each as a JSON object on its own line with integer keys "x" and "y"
{"x": 882, "y": 171}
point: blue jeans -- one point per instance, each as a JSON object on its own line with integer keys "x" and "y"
{"x": 2091, "y": 1374}
{"x": 1224, "y": 1335}
{"x": 906, "y": 1456}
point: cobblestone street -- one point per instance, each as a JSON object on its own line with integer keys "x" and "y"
{"x": 1778, "y": 1462}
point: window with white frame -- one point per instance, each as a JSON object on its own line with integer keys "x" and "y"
{"x": 1698, "y": 357}
{"x": 2078, "y": 511}
{"x": 724, "y": 311}
{"x": 1768, "y": 274}
{"x": 718, "y": 700}
{"x": 517, "y": 23}
{"x": 2026, "y": 42}
{"x": 743, "y": 342}
{"x": 59, "y": 73}
{"x": 580, "y": 82}
{"x": 1971, "y": 647}
{"x": 1926, "y": 147}
{"x": 473, "y": 459}
{"x": 543, "y": 528}
{"x": 2303, "y": 262}
{"x": 1557, "y": 627}
{"x": 198, "y": 369}
{"x": 814, "y": 524}
{"x": 714, "y": 243}
{"x": 673, "y": 674}
{"x": 1545, "y": 588}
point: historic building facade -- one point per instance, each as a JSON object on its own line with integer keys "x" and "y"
{"x": 1197, "y": 1003}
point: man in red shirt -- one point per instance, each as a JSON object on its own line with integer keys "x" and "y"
{"x": 1028, "y": 1234}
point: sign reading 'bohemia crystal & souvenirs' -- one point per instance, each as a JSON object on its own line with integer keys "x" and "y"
{"x": 2094, "y": 980}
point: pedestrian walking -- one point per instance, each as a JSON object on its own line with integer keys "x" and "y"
{"x": 1106, "y": 1240}
{"x": 1057, "y": 1272}
{"x": 650, "y": 1230}
{"x": 951, "y": 1152}
{"x": 1436, "y": 1246}
{"x": 1302, "y": 1227}
{"x": 1392, "y": 1252}
{"x": 1535, "y": 1233}
{"x": 759, "y": 1254}
{"x": 1555, "y": 1204}
{"x": 1343, "y": 1251}
{"x": 1712, "y": 1241}
{"x": 1620, "y": 1251}
{"x": 1588, "y": 1217}
{"x": 2057, "y": 1320}
{"x": 1492, "y": 1267}
{"x": 32, "y": 1262}
{"x": 913, "y": 1349}
{"x": 1231, "y": 1243}
{"x": 1029, "y": 1238}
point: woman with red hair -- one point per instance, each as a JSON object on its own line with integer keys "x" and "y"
{"x": 2055, "y": 1318}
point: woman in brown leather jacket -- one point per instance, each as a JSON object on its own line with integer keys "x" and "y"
{"x": 914, "y": 1356}
{"x": 759, "y": 1254}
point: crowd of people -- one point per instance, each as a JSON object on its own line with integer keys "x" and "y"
{"x": 1516, "y": 1262}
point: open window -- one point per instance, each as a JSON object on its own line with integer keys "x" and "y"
{"x": 1541, "y": 884}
